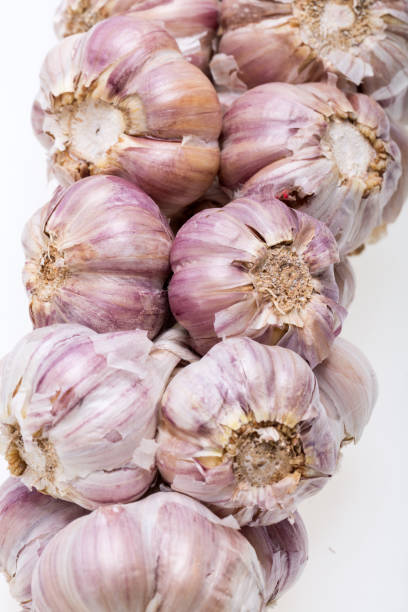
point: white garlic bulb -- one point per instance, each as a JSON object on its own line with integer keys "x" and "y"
{"x": 243, "y": 430}
{"x": 166, "y": 552}
{"x": 78, "y": 411}
{"x": 98, "y": 254}
{"x": 28, "y": 521}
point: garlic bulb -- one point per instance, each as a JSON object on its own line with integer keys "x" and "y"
{"x": 260, "y": 270}
{"x": 166, "y": 552}
{"x": 243, "y": 430}
{"x": 365, "y": 42}
{"x": 98, "y": 254}
{"x": 78, "y": 411}
{"x": 121, "y": 99}
{"x": 28, "y": 521}
{"x": 348, "y": 389}
{"x": 346, "y": 282}
{"x": 320, "y": 151}
{"x": 193, "y": 23}
{"x": 282, "y": 550}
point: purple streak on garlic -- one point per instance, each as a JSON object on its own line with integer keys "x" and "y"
{"x": 243, "y": 430}
{"x": 28, "y": 521}
{"x": 346, "y": 282}
{"x": 282, "y": 550}
{"x": 260, "y": 270}
{"x": 321, "y": 151}
{"x": 192, "y": 23}
{"x": 348, "y": 389}
{"x": 166, "y": 552}
{"x": 121, "y": 99}
{"x": 79, "y": 411}
{"x": 365, "y": 42}
{"x": 98, "y": 254}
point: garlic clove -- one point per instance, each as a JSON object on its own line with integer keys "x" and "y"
{"x": 28, "y": 521}
{"x": 348, "y": 389}
{"x": 346, "y": 282}
{"x": 78, "y": 410}
{"x": 282, "y": 550}
{"x": 250, "y": 441}
{"x": 98, "y": 254}
{"x": 127, "y": 83}
{"x": 228, "y": 278}
{"x": 338, "y": 162}
{"x": 193, "y": 24}
{"x": 165, "y": 551}
{"x": 189, "y": 168}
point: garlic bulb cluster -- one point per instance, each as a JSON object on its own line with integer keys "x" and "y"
{"x": 321, "y": 151}
{"x": 282, "y": 550}
{"x": 243, "y": 430}
{"x": 166, "y": 552}
{"x": 28, "y": 521}
{"x": 122, "y": 100}
{"x": 192, "y": 23}
{"x": 256, "y": 269}
{"x": 78, "y": 411}
{"x": 98, "y": 254}
{"x": 365, "y": 42}
{"x": 348, "y": 389}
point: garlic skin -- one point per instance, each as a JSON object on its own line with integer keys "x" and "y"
{"x": 321, "y": 151}
{"x": 98, "y": 254}
{"x": 243, "y": 431}
{"x": 228, "y": 278}
{"x": 28, "y": 521}
{"x": 348, "y": 389}
{"x": 192, "y": 23}
{"x": 282, "y": 550}
{"x": 166, "y": 552}
{"x": 346, "y": 282}
{"x": 365, "y": 42}
{"x": 121, "y": 99}
{"x": 79, "y": 411}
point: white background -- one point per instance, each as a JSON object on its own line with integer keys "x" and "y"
{"x": 357, "y": 524}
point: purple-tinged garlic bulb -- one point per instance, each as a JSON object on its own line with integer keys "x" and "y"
{"x": 166, "y": 552}
{"x": 365, "y": 42}
{"x": 98, "y": 254}
{"x": 348, "y": 389}
{"x": 321, "y": 151}
{"x": 121, "y": 99}
{"x": 28, "y": 521}
{"x": 192, "y": 23}
{"x": 261, "y": 270}
{"x": 346, "y": 282}
{"x": 282, "y": 550}
{"x": 243, "y": 430}
{"x": 78, "y": 411}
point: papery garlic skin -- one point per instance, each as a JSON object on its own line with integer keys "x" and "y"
{"x": 365, "y": 42}
{"x": 228, "y": 278}
{"x": 192, "y": 23}
{"x": 28, "y": 521}
{"x": 166, "y": 552}
{"x": 348, "y": 389}
{"x": 121, "y": 99}
{"x": 79, "y": 411}
{"x": 282, "y": 550}
{"x": 98, "y": 254}
{"x": 346, "y": 282}
{"x": 321, "y": 151}
{"x": 243, "y": 431}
